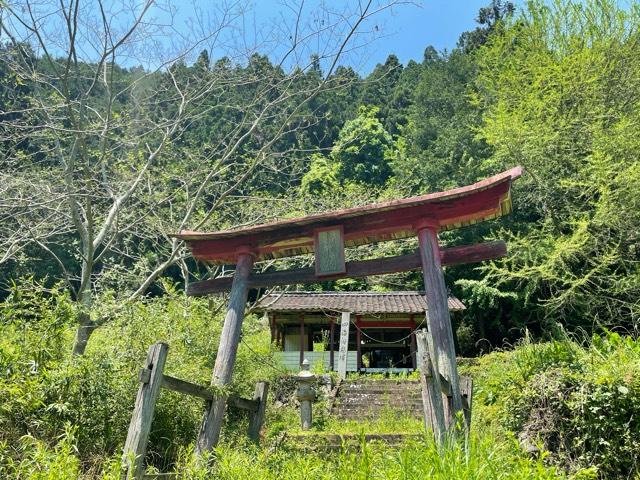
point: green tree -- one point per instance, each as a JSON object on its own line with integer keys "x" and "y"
{"x": 443, "y": 150}
{"x": 321, "y": 178}
{"x": 560, "y": 88}
{"x": 363, "y": 148}
{"x": 203, "y": 60}
{"x": 488, "y": 18}
{"x": 384, "y": 89}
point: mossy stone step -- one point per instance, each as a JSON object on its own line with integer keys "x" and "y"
{"x": 380, "y": 391}
{"x": 359, "y": 415}
{"x": 332, "y": 441}
{"x": 363, "y": 399}
{"x": 377, "y": 402}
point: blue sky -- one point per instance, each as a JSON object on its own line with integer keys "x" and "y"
{"x": 407, "y": 29}
{"x": 410, "y": 29}
{"x": 173, "y": 26}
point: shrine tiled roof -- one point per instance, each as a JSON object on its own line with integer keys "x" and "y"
{"x": 354, "y": 302}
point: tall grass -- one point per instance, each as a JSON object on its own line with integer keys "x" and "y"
{"x": 480, "y": 457}
{"x": 485, "y": 458}
{"x": 66, "y": 418}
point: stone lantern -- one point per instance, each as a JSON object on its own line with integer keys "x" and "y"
{"x": 305, "y": 394}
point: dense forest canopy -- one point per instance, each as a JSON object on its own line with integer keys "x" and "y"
{"x": 101, "y": 163}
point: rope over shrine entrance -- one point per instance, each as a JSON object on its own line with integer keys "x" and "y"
{"x": 327, "y": 235}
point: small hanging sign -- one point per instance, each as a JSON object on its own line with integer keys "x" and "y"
{"x": 329, "y": 250}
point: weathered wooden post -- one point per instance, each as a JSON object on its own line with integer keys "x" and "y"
{"x": 466, "y": 390}
{"x": 301, "y": 337}
{"x": 227, "y": 350}
{"x": 151, "y": 379}
{"x": 344, "y": 345}
{"x": 305, "y": 394}
{"x": 432, "y": 406}
{"x": 438, "y": 317}
{"x": 358, "y": 344}
{"x": 256, "y": 419}
{"x": 332, "y": 328}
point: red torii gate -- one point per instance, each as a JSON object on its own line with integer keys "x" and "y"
{"x": 326, "y": 235}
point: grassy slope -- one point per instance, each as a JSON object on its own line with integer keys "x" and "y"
{"x": 65, "y": 416}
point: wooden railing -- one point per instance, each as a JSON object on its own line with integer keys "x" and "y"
{"x": 290, "y": 360}
{"x": 152, "y": 379}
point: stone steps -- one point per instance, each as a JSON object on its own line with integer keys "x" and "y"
{"x": 379, "y": 391}
{"x": 374, "y": 400}
{"x": 382, "y": 393}
{"x": 323, "y": 441}
{"x": 397, "y": 392}
{"x": 366, "y": 399}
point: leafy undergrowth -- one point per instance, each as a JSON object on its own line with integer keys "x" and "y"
{"x": 578, "y": 401}
{"x": 482, "y": 457}
{"x": 387, "y": 422}
{"x": 66, "y": 418}
{"x": 485, "y": 458}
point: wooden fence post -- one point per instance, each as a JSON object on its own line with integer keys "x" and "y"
{"x": 438, "y": 318}
{"x": 227, "y": 350}
{"x": 433, "y": 408}
{"x": 256, "y": 418}
{"x": 150, "y": 378}
{"x": 466, "y": 390}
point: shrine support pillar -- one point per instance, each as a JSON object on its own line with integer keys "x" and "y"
{"x": 272, "y": 323}
{"x": 332, "y": 328}
{"x": 414, "y": 346}
{"x": 358, "y": 344}
{"x": 227, "y": 350}
{"x": 438, "y": 318}
{"x": 301, "y": 336}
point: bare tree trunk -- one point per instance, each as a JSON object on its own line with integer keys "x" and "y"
{"x": 83, "y": 332}
{"x": 85, "y": 325}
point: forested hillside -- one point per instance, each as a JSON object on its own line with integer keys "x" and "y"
{"x": 554, "y": 89}
{"x": 102, "y": 160}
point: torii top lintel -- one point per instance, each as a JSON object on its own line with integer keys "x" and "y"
{"x": 487, "y": 199}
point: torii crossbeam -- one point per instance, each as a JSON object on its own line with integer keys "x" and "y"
{"x": 326, "y": 235}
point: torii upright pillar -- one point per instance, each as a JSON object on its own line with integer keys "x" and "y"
{"x": 227, "y": 350}
{"x": 438, "y": 318}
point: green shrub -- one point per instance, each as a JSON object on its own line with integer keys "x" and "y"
{"x": 484, "y": 457}
{"x": 38, "y": 462}
{"x": 35, "y": 331}
{"x": 43, "y": 389}
{"x": 580, "y": 403}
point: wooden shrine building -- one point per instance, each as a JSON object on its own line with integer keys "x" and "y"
{"x": 381, "y": 337}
